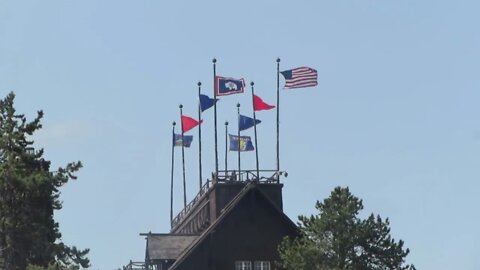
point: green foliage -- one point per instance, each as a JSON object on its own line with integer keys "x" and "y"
{"x": 28, "y": 197}
{"x": 336, "y": 239}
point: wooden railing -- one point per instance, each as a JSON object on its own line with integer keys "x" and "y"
{"x": 135, "y": 266}
{"x": 250, "y": 175}
{"x": 191, "y": 204}
{"x": 229, "y": 177}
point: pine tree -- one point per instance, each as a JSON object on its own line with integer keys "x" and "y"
{"x": 29, "y": 196}
{"x": 336, "y": 239}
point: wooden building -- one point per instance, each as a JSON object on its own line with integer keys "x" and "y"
{"x": 230, "y": 225}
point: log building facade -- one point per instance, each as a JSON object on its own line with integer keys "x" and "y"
{"x": 232, "y": 224}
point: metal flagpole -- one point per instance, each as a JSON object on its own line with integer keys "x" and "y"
{"x": 199, "y": 137}
{"x": 171, "y": 180}
{"x": 255, "y": 130}
{"x": 214, "y": 61}
{"x": 278, "y": 119}
{"x": 183, "y": 161}
{"x": 226, "y": 149}
{"x": 238, "y": 138}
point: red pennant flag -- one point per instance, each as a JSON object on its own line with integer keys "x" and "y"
{"x": 259, "y": 104}
{"x": 189, "y": 123}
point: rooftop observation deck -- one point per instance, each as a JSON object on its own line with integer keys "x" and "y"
{"x": 218, "y": 192}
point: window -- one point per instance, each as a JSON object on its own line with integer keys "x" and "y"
{"x": 261, "y": 265}
{"x": 243, "y": 265}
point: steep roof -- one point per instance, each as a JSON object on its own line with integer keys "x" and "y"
{"x": 225, "y": 212}
{"x": 167, "y": 246}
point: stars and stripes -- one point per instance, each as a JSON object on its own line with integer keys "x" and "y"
{"x": 300, "y": 77}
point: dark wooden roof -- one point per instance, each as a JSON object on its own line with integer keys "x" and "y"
{"x": 250, "y": 187}
{"x": 167, "y": 246}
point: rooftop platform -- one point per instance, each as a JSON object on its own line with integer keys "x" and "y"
{"x": 218, "y": 191}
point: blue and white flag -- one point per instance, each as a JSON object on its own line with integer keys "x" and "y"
{"x": 228, "y": 86}
{"x": 245, "y": 122}
{"x": 187, "y": 140}
{"x": 245, "y": 143}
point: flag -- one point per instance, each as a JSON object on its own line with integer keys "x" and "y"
{"x": 228, "y": 86}
{"x": 259, "y": 104}
{"x": 300, "y": 77}
{"x": 206, "y": 102}
{"x": 245, "y": 122}
{"x": 189, "y": 123}
{"x": 187, "y": 140}
{"x": 245, "y": 143}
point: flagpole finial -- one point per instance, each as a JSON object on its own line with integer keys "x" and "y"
{"x": 226, "y": 123}
{"x": 173, "y": 123}
{"x": 278, "y": 59}
{"x": 180, "y": 106}
{"x": 199, "y": 83}
{"x": 252, "y": 83}
{"x": 214, "y": 60}
{"x": 238, "y": 105}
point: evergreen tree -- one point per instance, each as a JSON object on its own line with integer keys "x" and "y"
{"x": 336, "y": 239}
{"x": 29, "y": 196}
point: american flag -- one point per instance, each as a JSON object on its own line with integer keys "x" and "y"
{"x": 300, "y": 77}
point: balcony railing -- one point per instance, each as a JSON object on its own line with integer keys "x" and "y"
{"x": 135, "y": 266}
{"x": 229, "y": 176}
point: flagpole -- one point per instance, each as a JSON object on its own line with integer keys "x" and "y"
{"x": 171, "y": 179}
{"x": 199, "y": 137}
{"x": 255, "y": 130}
{"x": 238, "y": 138}
{"x": 183, "y": 161}
{"x": 214, "y": 61}
{"x": 278, "y": 119}
{"x": 226, "y": 149}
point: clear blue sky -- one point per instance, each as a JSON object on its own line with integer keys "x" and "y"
{"x": 395, "y": 116}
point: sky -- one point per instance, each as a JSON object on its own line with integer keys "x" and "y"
{"x": 395, "y": 115}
